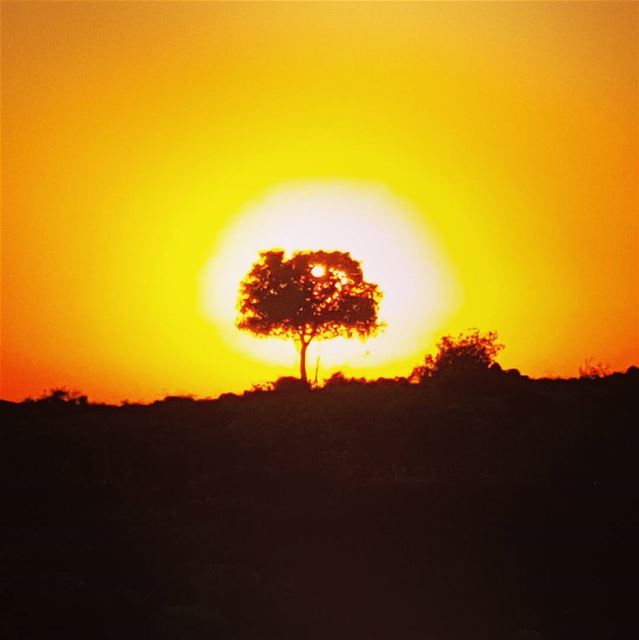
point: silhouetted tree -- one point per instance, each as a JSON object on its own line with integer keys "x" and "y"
{"x": 594, "y": 369}
{"x": 311, "y": 295}
{"x": 63, "y": 396}
{"x": 465, "y": 355}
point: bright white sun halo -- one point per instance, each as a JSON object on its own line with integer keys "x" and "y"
{"x": 380, "y": 230}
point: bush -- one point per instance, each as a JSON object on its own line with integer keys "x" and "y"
{"x": 594, "y": 369}
{"x": 467, "y": 355}
{"x": 63, "y": 396}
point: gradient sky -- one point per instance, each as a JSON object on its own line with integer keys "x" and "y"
{"x": 134, "y": 134}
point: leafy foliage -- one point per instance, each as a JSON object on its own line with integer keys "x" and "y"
{"x": 63, "y": 396}
{"x": 467, "y": 354}
{"x": 311, "y": 295}
{"x": 594, "y": 369}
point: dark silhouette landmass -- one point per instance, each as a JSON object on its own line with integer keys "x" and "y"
{"x": 484, "y": 507}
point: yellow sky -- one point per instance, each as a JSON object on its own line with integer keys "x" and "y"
{"x": 135, "y": 134}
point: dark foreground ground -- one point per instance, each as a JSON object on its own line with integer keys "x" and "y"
{"x": 505, "y": 510}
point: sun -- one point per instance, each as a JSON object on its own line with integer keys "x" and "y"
{"x": 318, "y": 271}
{"x": 380, "y": 230}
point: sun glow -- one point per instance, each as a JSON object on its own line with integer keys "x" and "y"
{"x": 378, "y": 229}
{"x": 318, "y": 271}
{"x": 145, "y": 143}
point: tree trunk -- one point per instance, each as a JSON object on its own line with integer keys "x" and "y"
{"x": 303, "y": 349}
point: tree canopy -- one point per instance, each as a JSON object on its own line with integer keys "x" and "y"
{"x": 467, "y": 354}
{"x": 311, "y": 295}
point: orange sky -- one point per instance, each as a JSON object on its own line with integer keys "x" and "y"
{"x": 137, "y": 136}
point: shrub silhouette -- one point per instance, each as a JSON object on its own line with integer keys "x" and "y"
{"x": 466, "y": 356}
{"x": 311, "y": 295}
{"x": 289, "y": 384}
{"x": 592, "y": 368}
{"x": 63, "y": 396}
